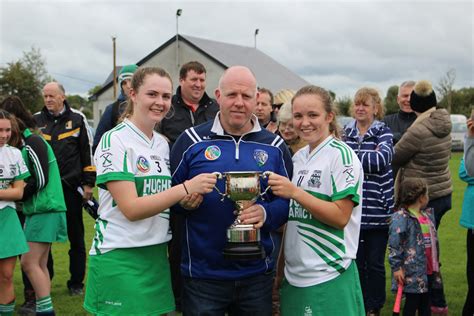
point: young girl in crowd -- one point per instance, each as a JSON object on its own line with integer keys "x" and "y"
{"x": 128, "y": 270}
{"x": 12, "y": 239}
{"x": 43, "y": 204}
{"x": 413, "y": 248}
{"x": 322, "y": 233}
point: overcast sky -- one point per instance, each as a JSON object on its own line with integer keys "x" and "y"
{"x": 338, "y": 45}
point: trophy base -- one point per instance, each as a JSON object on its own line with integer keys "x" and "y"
{"x": 243, "y": 251}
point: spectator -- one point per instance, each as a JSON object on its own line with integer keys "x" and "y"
{"x": 287, "y": 129}
{"x": 324, "y": 220}
{"x": 234, "y": 141}
{"x": 264, "y": 111}
{"x": 413, "y": 254}
{"x": 66, "y": 131}
{"x": 372, "y": 141}
{"x": 424, "y": 152}
{"x": 13, "y": 172}
{"x": 113, "y": 111}
{"x": 402, "y": 120}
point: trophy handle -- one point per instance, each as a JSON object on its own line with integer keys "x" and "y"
{"x": 219, "y": 176}
{"x": 265, "y": 175}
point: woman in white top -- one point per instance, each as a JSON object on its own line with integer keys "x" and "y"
{"x": 128, "y": 266}
{"x": 322, "y": 232}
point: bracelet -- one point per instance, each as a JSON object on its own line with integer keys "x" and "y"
{"x": 186, "y": 189}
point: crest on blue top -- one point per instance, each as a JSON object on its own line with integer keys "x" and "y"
{"x": 260, "y": 156}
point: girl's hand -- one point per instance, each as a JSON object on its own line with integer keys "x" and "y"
{"x": 281, "y": 186}
{"x": 202, "y": 184}
{"x": 191, "y": 201}
{"x": 399, "y": 276}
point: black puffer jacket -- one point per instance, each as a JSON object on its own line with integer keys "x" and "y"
{"x": 181, "y": 117}
{"x": 71, "y": 141}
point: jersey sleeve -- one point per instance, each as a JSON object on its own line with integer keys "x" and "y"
{"x": 112, "y": 160}
{"x": 346, "y": 174}
{"x": 21, "y": 170}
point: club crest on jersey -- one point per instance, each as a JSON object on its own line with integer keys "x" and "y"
{"x": 315, "y": 179}
{"x": 260, "y": 156}
{"x": 142, "y": 164}
{"x": 69, "y": 124}
{"x": 212, "y": 152}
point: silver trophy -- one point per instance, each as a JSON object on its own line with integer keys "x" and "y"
{"x": 242, "y": 187}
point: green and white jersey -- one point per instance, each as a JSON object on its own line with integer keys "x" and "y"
{"x": 12, "y": 168}
{"x": 316, "y": 252}
{"x": 126, "y": 154}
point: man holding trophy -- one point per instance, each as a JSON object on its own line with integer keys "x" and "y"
{"x": 226, "y": 259}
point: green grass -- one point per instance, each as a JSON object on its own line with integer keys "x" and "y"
{"x": 453, "y": 256}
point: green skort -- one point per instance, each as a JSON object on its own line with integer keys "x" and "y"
{"x": 130, "y": 281}
{"x": 46, "y": 227}
{"x": 12, "y": 238}
{"x": 340, "y": 296}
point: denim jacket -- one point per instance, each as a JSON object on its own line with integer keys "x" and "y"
{"x": 407, "y": 251}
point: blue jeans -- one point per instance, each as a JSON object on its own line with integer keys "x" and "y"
{"x": 371, "y": 265}
{"x": 251, "y": 296}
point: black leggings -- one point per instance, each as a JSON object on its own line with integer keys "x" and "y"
{"x": 417, "y": 302}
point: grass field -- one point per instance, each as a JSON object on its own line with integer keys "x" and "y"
{"x": 453, "y": 257}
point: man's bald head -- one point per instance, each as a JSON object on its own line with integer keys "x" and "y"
{"x": 54, "y": 96}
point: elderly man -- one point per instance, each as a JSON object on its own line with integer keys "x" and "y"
{"x": 402, "y": 120}
{"x": 234, "y": 141}
{"x": 66, "y": 130}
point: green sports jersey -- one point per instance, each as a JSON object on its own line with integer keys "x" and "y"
{"x": 49, "y": 197}
{"x": 126, "y": 154}
{"x": 314, "y": 251}
{"x": 12, "y": 168}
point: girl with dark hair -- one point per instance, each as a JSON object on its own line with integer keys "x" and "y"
{"x": 413, "y": 247}
{"x": 12, "y": 239}
{"x": 43, "y": 205}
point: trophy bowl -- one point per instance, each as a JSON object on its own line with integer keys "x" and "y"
{"x": 243, "y": 188}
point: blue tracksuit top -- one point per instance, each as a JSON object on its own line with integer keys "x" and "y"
{"x": 207, "y": 148}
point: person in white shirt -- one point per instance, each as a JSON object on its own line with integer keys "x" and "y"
{"x": 322, "y": 232}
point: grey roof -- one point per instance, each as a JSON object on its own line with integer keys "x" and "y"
{"x": 270, "y": 74}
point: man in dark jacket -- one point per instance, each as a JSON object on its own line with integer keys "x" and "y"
{"x": 191, "y": 106}
{"x": 402, "y": 120}
{"x": 66, "y": 130}
{"x": 114, "y": 110}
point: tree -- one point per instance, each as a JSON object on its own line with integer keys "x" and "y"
{"x": 343, "y": 105}
{"x": 25, "y": 78}
{"x": 80, "y": 103}
{"x": 462, "y": 101}
{"x": 445, "y": 88}
{"x": 390, "y": 101}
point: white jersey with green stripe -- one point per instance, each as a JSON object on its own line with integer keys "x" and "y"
{"x": 126, "y": 154}
{"x": 12, "y": 168}
{"x": 314, "y": 251}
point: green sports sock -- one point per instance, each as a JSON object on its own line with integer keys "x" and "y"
{"x": 7, "y": 309}
{"x": 44, "y": 304}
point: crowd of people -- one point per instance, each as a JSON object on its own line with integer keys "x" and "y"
{"x": 332, "y": 200}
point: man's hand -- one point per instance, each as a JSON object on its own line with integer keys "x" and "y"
{"x": 191, "y": 201}
{"x": 254, "y": 214}
{"x": 87, "y": 195}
